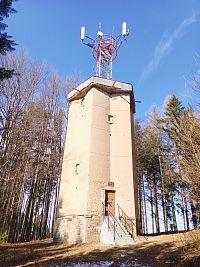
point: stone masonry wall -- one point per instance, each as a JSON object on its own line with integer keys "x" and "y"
{"x": 94, "y": 224}
{"x": 70, "y": 230}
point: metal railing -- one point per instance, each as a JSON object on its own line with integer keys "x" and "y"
{"x": 127, "y": 221}
{"x": 113, "y": 223}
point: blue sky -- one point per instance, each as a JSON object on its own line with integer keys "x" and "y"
{"x": 157, "y": 59}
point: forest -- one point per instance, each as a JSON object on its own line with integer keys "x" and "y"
{"x": 33, "y": 119}
{"x": 31, "y": 142}
{"x": 168, "y": 164}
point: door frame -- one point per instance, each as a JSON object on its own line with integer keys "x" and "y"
{"x": 106, "y": 200}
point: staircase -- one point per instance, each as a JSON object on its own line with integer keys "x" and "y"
{"x": 127, "y": 221}
{"x": 119, "y": 230}
{"x": 116, "y": 231}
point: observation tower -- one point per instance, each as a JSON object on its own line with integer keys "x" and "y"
{"x": 98, "y": 190}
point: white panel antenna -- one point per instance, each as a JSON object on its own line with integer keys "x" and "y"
{"x": 82, "y": 33}
{"x": 124, "y": 32}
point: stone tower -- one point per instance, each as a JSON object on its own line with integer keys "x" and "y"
{"x": 98, "y": 171}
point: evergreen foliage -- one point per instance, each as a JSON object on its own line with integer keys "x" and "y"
{"x": 6, "y": 43}
{"x": 168, "y": 165}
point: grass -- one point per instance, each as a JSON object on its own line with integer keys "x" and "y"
{"x": 164, "y": 250}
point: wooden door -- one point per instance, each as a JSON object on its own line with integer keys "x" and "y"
{"x": 110, "y": 202}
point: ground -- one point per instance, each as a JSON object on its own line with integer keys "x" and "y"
{"x": 164, "y": 250}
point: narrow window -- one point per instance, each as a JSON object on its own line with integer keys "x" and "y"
{"x": 82, "y": 101}
{"x": 77, "y": 168}
{"x": 110, "y": 118}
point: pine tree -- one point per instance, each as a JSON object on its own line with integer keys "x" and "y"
{"x": 171, "y": 126}
{"x": 6, "y": 43}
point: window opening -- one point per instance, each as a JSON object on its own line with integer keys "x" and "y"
{"x": 110, "y": 118}
{"x": 77, "y": 168}
{"x": 82, "y": 101}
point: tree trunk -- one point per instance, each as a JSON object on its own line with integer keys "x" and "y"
{"x": 145, "y": 208}
{"x": 156, "y": 205}
{"x": 163, "y": 189}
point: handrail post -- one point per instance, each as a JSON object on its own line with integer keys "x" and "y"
{"x": 114, "y": 230}
{"x": 132, "y": 229}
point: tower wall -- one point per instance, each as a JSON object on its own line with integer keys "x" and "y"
{"x": 73, "y": 196}
{"x": 121, "y": 160}
{"x": 99, "y": 169}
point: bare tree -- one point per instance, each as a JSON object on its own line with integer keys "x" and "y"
{"x": 31, "y": 144}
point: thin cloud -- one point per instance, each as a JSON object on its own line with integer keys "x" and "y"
{"x": 165, "y": 46}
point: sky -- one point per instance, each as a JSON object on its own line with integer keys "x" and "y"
{"x": 158, "y": 57}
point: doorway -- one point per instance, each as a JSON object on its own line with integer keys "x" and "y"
{"x": 109, "y": 202}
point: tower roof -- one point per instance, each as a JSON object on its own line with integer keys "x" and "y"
{"x": 109, "y": 86}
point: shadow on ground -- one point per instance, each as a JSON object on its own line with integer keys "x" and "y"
{"x": 44, "y": 253}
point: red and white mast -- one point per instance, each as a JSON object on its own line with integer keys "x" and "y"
{"x": 105, "y": 48}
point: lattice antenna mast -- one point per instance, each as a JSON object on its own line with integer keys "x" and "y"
{"x": 105, "y": 48}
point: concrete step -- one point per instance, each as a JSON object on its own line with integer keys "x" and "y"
{"x": 124, "y": 240}
{"x": 122, "y": 236}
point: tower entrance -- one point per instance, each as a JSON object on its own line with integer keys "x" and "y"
{"x": 109, "y": 202}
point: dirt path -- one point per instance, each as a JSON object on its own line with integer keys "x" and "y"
{"x": 165, "y": 250}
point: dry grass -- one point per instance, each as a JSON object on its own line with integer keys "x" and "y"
{"x": 164, "y": 250}
{"x": 188, "y": 244}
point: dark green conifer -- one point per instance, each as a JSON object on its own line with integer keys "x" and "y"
{"x": 6, "y": 43}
